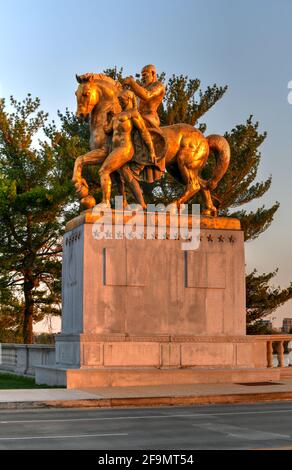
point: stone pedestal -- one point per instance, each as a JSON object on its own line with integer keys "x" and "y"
{"x": 147, "y": 310}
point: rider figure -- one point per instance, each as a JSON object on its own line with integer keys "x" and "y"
{"x": 151, "y": 94}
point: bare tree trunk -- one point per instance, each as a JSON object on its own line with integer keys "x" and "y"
{"x": 28, "y": 311}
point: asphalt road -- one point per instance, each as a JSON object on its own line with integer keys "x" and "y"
{"x": 255, "y": 426}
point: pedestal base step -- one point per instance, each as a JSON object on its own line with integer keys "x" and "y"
{"x": 286, "y": 372}
{"x": 87, "y": 378}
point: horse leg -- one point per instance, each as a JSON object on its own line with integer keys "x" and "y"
{"x": 121, "y": 187}
{"x": 133, "y": 184}
{"x": 189, "y": 173}
{"x": 210, "y": 208}
{"x": 94, "y": 157}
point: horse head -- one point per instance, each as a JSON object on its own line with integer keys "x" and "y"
{"x": 87, "y": 95}
{"x": 93, "y": 90}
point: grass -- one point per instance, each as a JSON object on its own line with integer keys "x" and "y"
{"x": 12, "y": 381}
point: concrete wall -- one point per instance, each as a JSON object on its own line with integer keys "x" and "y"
{"x": 23, "y": 358}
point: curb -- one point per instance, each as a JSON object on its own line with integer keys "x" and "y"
{"x": 151, "y": 401}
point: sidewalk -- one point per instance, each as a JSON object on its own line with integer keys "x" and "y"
{"x": 163, "y": 395}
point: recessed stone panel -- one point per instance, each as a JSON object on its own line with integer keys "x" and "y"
{"x": 207, "y": 354}
{"x": 131, "y": 354}
{"x": 92, "y": 354}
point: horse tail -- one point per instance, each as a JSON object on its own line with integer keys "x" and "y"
{"x": 221, "y": 148}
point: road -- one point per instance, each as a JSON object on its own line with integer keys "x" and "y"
{"x": 254, "y": 426}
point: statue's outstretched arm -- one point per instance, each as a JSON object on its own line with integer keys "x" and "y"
{"x": 141, "y": 92}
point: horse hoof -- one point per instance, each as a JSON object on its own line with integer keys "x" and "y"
{"x": 81, "y": 190}
{"x": 209, "y": 212}
{"x": 88, "y": 202}
{"x": 102, "y": 206}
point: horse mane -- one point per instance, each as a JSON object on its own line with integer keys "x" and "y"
{"x": 103, "y": 77}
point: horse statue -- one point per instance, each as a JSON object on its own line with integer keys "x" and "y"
{"x": 186, "y": 149}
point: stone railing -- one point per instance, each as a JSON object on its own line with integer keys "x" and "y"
{"x": 22, "y": 358}
{"x": 276, "y": 342}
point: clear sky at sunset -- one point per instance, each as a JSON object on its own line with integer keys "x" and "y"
{"x": 246, "y": 45}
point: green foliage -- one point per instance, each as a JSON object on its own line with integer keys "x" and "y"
{"x": 44, "y": 338}
{"x": 34, "y": 192}
{"x": 255, "y": 223}
{"x": 11, "y": 318}
{"x": 259, "y": 327}
{"x": 262, "y": 299}
{"x": 68, "y": 143}
{"x": 181, "y": 104}
{"x": 239, "y": 186}
{"x": 115, "y": 73}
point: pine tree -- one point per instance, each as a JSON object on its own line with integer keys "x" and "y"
{"x": 238, "y": 186}
{"x": 33, "y": 194}
{"x": 263, "y": 299}
{"x": 181, "y": 104}
{"x": 11, "y": 318}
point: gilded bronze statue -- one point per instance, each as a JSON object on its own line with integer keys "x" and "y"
{"x": 151, "y": 94}
{"x": 112, "y": 108}
{"x": 121, "y": 126}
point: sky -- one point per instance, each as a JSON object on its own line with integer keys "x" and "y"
{"x": 245, "y": 45}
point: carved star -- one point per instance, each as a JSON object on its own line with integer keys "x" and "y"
{"x": 221, "y": 239}
{"x": 210, "y": 238}
{"x": 96, "y": 233}
{"x": 231, "y": 239}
